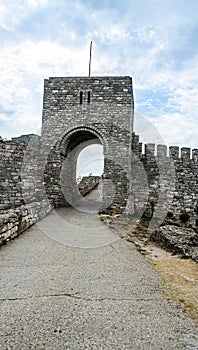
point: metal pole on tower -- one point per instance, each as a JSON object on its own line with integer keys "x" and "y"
{"x": 90, "y": 59}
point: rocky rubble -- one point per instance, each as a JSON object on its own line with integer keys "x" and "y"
{"x": 178, "y": 240}
{"x": 172, "y": 238}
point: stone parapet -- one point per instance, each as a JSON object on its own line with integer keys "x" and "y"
{"x": 15, "y": 221}
{"x": 87, "y": 184}
{"x": 171, "y": 181}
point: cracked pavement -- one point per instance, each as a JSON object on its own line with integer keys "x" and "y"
{"x": 58, "y": 296}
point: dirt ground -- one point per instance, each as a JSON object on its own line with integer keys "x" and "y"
{"x": 179, "y": 276}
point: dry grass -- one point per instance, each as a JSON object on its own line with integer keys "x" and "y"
{"x": 179, "y": 279}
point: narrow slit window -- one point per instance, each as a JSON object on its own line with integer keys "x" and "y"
{"x": 89, "y": 97}
{"x": 81, "y": 97}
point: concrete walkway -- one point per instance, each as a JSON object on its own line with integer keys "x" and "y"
{"x": 71, "y": 283}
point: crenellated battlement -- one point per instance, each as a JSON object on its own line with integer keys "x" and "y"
{"x": 172, "y": 173}
{"x": 164, "y": 151}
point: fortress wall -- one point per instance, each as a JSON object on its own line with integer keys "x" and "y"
{"x": 15, "y": 221}
{"x": 172, "y": 181}
{"x": 157, "y": 182}
{"x": 19, "y": 166}
{"x": 161, "y": 183}
{"x": 88, "y": 183}
{"x": 20, "y": 204}
{"x": 11, "y": 158}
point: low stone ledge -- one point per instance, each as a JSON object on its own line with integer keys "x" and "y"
{"x": 15, "y": 221}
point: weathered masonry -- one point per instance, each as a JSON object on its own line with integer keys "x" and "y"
{"x": 82, "y": 111}
{"x": 40, "y": 171}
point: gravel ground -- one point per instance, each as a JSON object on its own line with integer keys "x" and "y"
{"x": 68, "y": 293}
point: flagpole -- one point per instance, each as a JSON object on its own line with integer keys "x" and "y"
{"x": 90, "y": 59}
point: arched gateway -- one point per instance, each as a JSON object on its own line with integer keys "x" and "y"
{"x": 81, "y": 111}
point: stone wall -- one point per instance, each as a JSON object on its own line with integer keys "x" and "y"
{"x": 15, "y": 221}
{"x": 19, "y": 183}
{"x": 157, "y": 183}
{"x": 11, "y": 158}
{"x": 87, "y": 184}
{"x": 78, "y": 111}
{"x": 165, "y": 183}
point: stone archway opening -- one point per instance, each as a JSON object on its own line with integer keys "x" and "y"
{"x": 82, "y": 152}
{"x": 89, "y": 174}
{"x": 90, "y": 162}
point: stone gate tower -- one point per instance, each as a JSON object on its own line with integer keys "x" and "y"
{"x": 79, "y": 111}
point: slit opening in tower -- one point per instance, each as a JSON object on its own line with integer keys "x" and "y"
{"x": 81, "y": 97}
{"x": 89, "y": 97}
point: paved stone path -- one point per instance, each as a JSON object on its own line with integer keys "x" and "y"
{"x": 84, "y": 291}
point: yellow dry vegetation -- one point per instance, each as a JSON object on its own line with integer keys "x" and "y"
{"x": 179, "y": 276}
{"x": 179, "y": 280}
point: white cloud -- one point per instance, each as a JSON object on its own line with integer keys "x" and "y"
{"x": 4, "y": 117}
{"x": 12, "y": 12}
{"x": 177, "y": 130}
{"x": 23, "y": 68}
{"x": 36, "y": 3}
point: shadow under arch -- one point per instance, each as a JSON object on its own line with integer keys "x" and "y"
{"x": 80, "y": 134}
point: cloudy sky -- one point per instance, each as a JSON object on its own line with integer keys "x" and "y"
{"x": 154, "y": 41}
